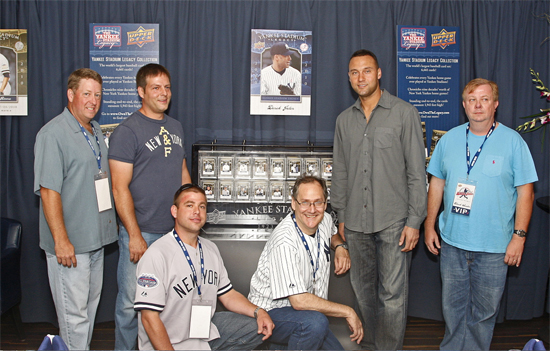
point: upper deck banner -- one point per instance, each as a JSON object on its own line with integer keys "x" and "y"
{"x": 428, "y": 63}
{"x": 117, "y": 52}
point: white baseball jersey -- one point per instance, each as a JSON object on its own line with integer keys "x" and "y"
{"x": 165, "y": 284}
{"x": 285, "y": 269}
{"x": 4, "y": 69}
{"x": 271, "y": 80}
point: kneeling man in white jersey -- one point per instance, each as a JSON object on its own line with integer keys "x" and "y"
{"x": 291, "y": 281}
{"x": 179, "y": 279}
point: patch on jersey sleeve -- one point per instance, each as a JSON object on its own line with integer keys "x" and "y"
{"x": 147, "y": 281}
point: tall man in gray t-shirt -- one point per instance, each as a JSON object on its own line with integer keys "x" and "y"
{"x": 147, "y": 159}
{"x": 379, "y": 192}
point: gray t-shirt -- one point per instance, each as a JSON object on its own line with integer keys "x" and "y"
{"x": 64, "y": 162}
{"x": 156, "y": 149}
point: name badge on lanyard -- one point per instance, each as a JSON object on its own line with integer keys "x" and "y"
{"x": 466, "y": 188}
{"x": 101, "y": 180}
{"x": 201, "y": 310}
{"x": 464, "y": 196}
{"x": 103, "y": 191}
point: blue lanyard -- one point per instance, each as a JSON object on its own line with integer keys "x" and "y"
{"x": 186, "y": 253}
{"x": 97, "y": 157}
{"x": 471, "y": 165}
{"x": 315, "y": 267}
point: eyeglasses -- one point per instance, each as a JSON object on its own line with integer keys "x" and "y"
{"x": 306, "y": 204}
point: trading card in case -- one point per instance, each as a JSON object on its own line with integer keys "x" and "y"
{"x": 276, "y": 191}
{"x": 277, "y": 168}
{"x": 260, "y": 168}
{"x": 289, "y": 187}
{"x": 225, "y": 191}
{"x": 294, "y": 167}
{"x": 225, "y": 167}
{"x": 242, "y": 191}
{"x": 329, "y": 183}
{"x": 209, "y": 187}
{"x": 326, "y": 168}
{"x": 242, "y": 167}
{"x": 259, "y": 189}
{"x": 311, "y": 166}
{"x": 208, "y": 166}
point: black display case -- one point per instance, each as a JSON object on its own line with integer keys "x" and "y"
{"x": 249, "y": 186}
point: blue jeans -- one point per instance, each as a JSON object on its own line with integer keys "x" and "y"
{"x": 379, "y": 277}
{"x": 237, "y": 332}
{"x": 76, "y": 292}
{"x": 473, "y": 283}
{"x": 302, "y": 330}
{"x": 126, "y": 327}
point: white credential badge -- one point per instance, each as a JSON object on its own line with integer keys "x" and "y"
{"x": 464, "y": 197}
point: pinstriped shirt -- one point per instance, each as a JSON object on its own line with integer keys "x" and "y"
{"x": 285, "y": 269}
{"x": 291, "y": 78}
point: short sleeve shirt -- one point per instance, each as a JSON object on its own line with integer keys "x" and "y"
{"x": 156, "y": 150}
{"x": 504, "y": 163}
{"x": 285, "y": 268}
{"x": 65, "y": 163}
{"x": 165, "y": 284}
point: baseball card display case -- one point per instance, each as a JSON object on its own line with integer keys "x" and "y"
{"x": 249, "y": 187}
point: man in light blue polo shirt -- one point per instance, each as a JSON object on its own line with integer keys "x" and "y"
{"x": 484, "y": 173}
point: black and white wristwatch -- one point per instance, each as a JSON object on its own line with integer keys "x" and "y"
{"x": 520, "y": 232}
{"x": 344, "y": 245}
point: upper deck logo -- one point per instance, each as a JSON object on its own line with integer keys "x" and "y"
{"x": 413, "y": 38}
{"x": 107, "y": 36}
{"x": 141, "y": 36}
{"x": 260, "y": 45}
{"x": 443, "y": 38}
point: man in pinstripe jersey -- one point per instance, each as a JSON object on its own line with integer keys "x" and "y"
{"x": 291, "y": 281}
{"x": 280, "y": 78}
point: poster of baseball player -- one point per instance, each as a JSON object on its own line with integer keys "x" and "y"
{"x": 280, "y": 72}
{"x": 13, "y": 72}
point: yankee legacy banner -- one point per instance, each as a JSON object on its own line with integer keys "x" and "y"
{"x": 13, "y": 72}
{"x": 428, "y": 62}
{"x": 117, "y": 52}
{"x": 280, "y": 72}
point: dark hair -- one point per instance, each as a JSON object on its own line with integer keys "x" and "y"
{"x": 187, "y": 187}
{"x": 475, "y": 83}
{"x": 363, "y": 52}
{"x": 150, "y": 70}
{"x": 83, "y": 73}
{"x": 307, "y": 179}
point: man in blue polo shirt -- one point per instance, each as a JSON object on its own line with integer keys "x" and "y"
{"x": 484, "y": 173}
